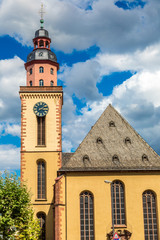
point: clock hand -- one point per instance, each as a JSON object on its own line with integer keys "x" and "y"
{"x": 41, "y": 108}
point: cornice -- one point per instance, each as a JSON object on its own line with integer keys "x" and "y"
{"x": 40, "y": 95}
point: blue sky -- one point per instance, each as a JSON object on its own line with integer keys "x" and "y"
{"x": 109, "y": 52}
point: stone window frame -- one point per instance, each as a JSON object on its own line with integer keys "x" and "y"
{"x": 41, "y": 179}
{"x": 41, "y": 82}
{"x": 42, "y": 222}
{"x": 119, "y": 209}
{"x": 41, "y": 69}
{"x": 87, "y": 215}
{"x": 150, "y": 215}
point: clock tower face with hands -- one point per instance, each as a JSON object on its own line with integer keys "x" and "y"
{"x": 41, "y": 148}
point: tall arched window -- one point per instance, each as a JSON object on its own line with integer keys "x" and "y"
{"x": 86, "y": 216}
{"x": 150, "y": 216}
{"x": 118, "y": 203}
{"x": 41, "y": 179}
{"x": 41, "y": 131}
{"x": 52, "y": 70}
{"x": 52, "y": 83}
{"x": 30, "y": 83}
{"x": 41, "y": 43}
{"x": 42, "y": 222}
{"x": 41, "y": 83}
{"x": 41, "y": 69}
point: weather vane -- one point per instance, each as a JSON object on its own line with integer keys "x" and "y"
{"x": 42, "y": 14}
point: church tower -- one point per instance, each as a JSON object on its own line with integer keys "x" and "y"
{"x": 41, "y": 103}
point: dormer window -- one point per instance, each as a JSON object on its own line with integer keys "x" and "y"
{"x": 41, "y": 69}
{"x": 145, "y": 158}
{"x": 52, "y": 83}
{"x": 85, "y": 158}
{"x": 41, "y": 82}
{"x": 115, "y": 159}
{"x": 112, "y": 124}
{"x": 52, "y": 71}
{"x": 127, "y": 140}
{"x": 30, "y": 71}
{"x": 99, "y": 140}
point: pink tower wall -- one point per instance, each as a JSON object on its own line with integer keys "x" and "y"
{"x": 46, "y": 75}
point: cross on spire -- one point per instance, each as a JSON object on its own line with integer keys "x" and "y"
{"x": 42, "y": 14}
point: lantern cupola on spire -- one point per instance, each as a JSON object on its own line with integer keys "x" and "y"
{"x": 43, "y": 57}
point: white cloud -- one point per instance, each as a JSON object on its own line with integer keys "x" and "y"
{"x": 10, "y": 157}
{"x": 81, "y": 79}
{"x": 12, "y": 75}
{"x": 13, "y": 129}
{"x": 111, "y": 28}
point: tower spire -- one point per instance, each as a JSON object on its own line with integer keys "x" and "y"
{"x": 42, "y": 14}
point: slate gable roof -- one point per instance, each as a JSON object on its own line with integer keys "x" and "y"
{"x": 111, "y": 145}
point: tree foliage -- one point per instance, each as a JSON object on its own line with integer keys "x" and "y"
{"x": 16, "y": 213}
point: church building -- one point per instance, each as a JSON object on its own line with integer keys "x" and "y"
{"x": 109, "y": 186}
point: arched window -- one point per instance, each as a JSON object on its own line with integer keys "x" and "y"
{"x": 52, "y": 70}
{"x": 41, "y": 179}
{"x": 36, "y": 44}
{"x": 115, "y": 159}
{"x": 86, "y": 216}
{"x": 30, "y": 83}
{"x": 118, "y": 203}
{"x": 42, "y": 222}
{"x": 112, "y": 124}
{"x": 41, "y": 83}
{"x": 41, "y": 131}
{"x": 52, "y": 83}
{"x": 41, "y": 43}
{"x": 30, "y": 71}
{"x": 150, "y": 216}
{"x": 41, "y": 69}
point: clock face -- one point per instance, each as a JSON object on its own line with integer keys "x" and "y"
{"x": 40, "y": 109}
{"x": 41, "y": 54}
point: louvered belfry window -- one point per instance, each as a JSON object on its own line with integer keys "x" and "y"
{"x": 86, "y": 216}
{"x": 150, "y": 216}
{"x": 118, "y": 203}
{"x": 41, "y": 130}
{"x": 41, "y": 181}
{"x": 42, "y": 222}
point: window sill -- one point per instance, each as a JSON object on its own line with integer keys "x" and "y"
{"x": 120, "y": 226}
{"x": 40, "y": 146}
{"x": 40, "y": 200}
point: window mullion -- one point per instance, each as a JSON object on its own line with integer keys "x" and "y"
{"x": 147, "y": 217}
{"x": 119, "y": 188}
{"x": 115, "y": 205}
{"x": 152, "y": 215}
{"x": 84, "y": 217}
{"x": 89, "y": 215}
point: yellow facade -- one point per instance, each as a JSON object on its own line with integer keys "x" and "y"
{"x": 52, "y": 100}
{"x": 135, "y": 184}
{"x": 50, "y": 153}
